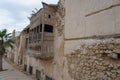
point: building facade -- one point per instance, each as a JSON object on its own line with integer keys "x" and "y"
{"x": 73, "y": 40}
{"x": 40, "y": 43}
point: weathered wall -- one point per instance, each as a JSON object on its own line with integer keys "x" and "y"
{"x": 91, "y": 17}
{"x": 12, "y": 53}
{"x": 49, "y": 9}
{"x": 36, "y": 19}
{"x": 87, "y": 57}
{"x": 22, "y": 49}
{"x": 93, "y": 59}
{"x": 45, "y": 67}
{"x": 59, "y": 42}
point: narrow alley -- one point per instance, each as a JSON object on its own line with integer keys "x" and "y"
{"x": 11, "y": 73}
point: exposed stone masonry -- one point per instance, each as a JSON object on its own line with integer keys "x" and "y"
{"x": 60, "y": 14}
{"x": 95, "y": 60}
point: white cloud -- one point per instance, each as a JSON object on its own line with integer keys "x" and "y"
{"x": 15, "y": 26}
{"x": 10, "y": 23}
{"x": 23, "y": 14}
{"x": 50, "y": 1}
{"x": 5, "y": 17}
{"x": 24, "y": 2}
{"x": 30, "y": 2}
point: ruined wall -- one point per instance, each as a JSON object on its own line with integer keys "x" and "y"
{"x": 91, "y": 38}
{"x": 94, "y": 59}
{"x": 59, "y": 42}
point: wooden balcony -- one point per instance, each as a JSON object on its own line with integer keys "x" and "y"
{"x": 43, "y": 56}
{"x": 45, "y": 52}
{"x": 48, "y": 36}
{"x": 41, "y": 49}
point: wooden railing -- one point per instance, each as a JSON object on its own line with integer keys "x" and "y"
{"x": 45, "y": 52}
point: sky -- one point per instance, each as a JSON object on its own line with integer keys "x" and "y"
{"x": 14, "y": 13}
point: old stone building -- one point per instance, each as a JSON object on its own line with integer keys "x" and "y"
{"x": 39, "y": 41}
{"x": 73, "y": 40}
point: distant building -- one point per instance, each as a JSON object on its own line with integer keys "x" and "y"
{"x": 13, "y": 53}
